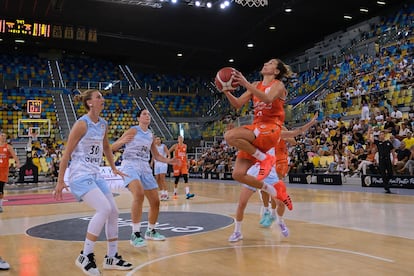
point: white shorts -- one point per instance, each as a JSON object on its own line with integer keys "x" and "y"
{"x": 269, "y": 180}
{"x": 160, "y": 168}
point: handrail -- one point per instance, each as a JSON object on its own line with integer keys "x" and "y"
{"x": 64, "y": 110}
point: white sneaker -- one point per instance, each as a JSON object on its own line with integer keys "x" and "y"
{"x": 116, "y": 262}
{"x": 283, "y": 228}
{"x": 4, "y": 265}
{"x": 236, "y": 236}
{"x": 87, "y": 264}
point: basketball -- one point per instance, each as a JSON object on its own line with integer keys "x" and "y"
{"x": 224, "y": 79}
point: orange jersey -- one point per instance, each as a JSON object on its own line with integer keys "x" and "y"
{"x": 4, "y": 156}
{"x": 268, "y": 112}
{"x": 281, "y": 151}
{"x": 180, "y": 152}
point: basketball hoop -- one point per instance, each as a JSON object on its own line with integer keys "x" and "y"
{"x": 33, "y": 133}
{"x": 252, "y": 3}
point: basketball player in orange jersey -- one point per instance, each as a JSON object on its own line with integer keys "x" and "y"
{"x": 278, "y": 173}
{"x": 6, "y": 151}
{"x": 282, "y": 169}
{"x": 254, "y": 140}
{"x": 180, "y": 153}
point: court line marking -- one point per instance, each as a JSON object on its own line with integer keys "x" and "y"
{"x": 255, "y": 246}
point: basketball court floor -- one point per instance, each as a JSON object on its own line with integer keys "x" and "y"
{"x": 334, "y": 230}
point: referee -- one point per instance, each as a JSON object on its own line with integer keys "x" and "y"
{"x": 385, "y": 153}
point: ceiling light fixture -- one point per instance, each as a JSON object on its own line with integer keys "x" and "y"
{"x": 347, "y": 17}
{"x": 381, "y": 2}
{"x": 250, "y": 45}
{"x": 363, "y": 10}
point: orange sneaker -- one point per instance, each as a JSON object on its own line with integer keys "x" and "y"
{"x": 266, "y": 166}
{"x": 280, "y": 188}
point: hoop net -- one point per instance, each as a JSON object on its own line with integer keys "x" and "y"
{"x": 252, "y": 3}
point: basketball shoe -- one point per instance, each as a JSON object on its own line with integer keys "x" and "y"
{"x": 87, "y": 264}
{"x": 268, "y": 221}
{"x": 154, "y": 235}
{"x": 236, "y": 236}
{"x": 116, "y": 262}
{"x": 265, "y": 166}
{"x": 4, "y": 265}
{"x": 137, "y": 240}
{"x": 188, "y": 196}
{"x": 282, "y": 195}
{"x": 283, "y": 228}
{"x": 265, "y": 216}
{"x": 1, "y": 209}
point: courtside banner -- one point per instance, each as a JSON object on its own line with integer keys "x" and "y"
{"x": 298, "y": 178}
{"x": 397, "y": 181}
{"x": 329, "y": 179}
{"x": 324, "y": 179}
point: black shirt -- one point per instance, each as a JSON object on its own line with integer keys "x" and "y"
{"x": 384, "y": 149}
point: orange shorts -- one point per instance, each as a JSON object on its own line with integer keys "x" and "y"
{"x": 267, "y": 137}
{"x": 4, "y": 174}
{"x": 282, "y": 167}
{"x": 180, "y": 170}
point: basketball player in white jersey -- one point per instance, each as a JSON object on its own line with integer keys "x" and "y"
{"x": 160, "y": 168}
{"x": 88, "y": 140}
{"x": 139, "y": 144}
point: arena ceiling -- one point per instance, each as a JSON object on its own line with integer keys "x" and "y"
{"x": 150, "y": 33}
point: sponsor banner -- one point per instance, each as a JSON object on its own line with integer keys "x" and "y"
{"x": 397, "y": 181}
{"x": 298, "y": 178}
{"x": 329, "y": 179}
{"x": 227, "y": 176}
{"x": 115, "y": 182}
{"x": 214, "y": 175}
{"x": 324, "y": 179}
{"x": 195, "y": 175}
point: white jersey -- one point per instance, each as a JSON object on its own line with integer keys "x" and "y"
{"x": 161, "y": 151}
{"x": 87, "y": 156}
{"x": 139, "y": 148}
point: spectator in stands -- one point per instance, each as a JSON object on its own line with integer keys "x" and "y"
{"x": 411, "y": 112}
{"x": 365, "y": 110}
{"x": 409, "y": 164}
{"x": 403, "y": 155}
{"x": 395, "y": 142}
{"x": 389, "y": 126}
{"x": 366, "y": 160}
{"x": 409, "y": 140}
{"x": 396, "y": 115}
{"x": 403, "y": 131}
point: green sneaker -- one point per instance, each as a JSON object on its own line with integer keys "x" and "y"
{"x": 154, "y": 235}
{"x": 137, "y": 241}
{"x": 266, "y": 215}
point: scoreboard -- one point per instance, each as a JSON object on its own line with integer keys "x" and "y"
{"x": 35, "y": 29}
{"x": 19, "y": 26}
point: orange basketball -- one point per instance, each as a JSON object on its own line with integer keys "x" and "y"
{"x": 224, "y": 79}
